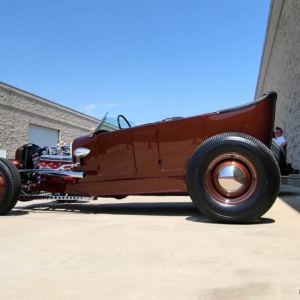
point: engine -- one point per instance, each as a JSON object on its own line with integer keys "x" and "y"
{"x": 31, "y": 156}
{"x": 44, "y": 168}
{"x": 33, "y": 161}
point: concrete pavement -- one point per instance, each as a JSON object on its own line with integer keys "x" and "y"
{"x": 148, "y": 248}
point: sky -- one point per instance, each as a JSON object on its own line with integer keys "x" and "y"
{"x": 145, "y": 59}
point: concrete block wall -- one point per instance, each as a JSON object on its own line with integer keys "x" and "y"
{"x": 19, "y": 108}
{"x": 280, "y": 71}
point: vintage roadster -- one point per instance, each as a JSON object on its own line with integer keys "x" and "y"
{"x": 222, "y": 160}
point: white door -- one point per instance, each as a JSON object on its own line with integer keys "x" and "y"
{"x": 43, "y": 136}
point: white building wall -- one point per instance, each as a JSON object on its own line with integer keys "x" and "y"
{"x": 18, "y": 109}
{"x": 280, "y": 71}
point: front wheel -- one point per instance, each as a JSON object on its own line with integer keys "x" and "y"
{"x": 233, "y": 177}
{"x": 10, "y": 186}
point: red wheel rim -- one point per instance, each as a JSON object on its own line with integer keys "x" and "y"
{"x": 231, "y": 179}
{"x": 2, "y": 186}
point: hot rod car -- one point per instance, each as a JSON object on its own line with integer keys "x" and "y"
{"x": 222, "y": 160}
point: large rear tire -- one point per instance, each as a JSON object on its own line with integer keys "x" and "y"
{"x": 10, "y": 186}
{"x": 233, "y": 178}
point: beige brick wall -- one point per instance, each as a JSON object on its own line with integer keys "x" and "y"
{"x": 280, "y": 71}
{"x": 18, "y": 109}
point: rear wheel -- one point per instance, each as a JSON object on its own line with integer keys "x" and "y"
{"x": 10, "y": 186}
{"x": 233, "y": 177}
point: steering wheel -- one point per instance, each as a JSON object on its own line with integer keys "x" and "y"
{"x": 119, "y": 124}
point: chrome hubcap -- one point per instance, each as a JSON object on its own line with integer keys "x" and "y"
{"x": 231, "y": 178}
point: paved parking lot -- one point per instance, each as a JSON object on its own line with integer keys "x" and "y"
{"x": 148, "y": 248}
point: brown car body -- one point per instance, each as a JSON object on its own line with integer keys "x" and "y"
{"x": 151, "y": 158}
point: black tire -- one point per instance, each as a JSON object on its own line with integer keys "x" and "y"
{"x": 233, "y": 178}
{"x": 10, "y": 186}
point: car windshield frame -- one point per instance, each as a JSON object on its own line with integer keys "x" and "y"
{"x": 99, "y": 125}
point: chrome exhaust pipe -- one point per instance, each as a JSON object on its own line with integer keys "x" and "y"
{"x": 56, "y": 173}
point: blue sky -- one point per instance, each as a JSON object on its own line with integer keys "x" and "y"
{"x": 145, "y": 59}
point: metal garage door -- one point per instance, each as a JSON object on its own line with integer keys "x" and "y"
{"x": 43, "y": 136}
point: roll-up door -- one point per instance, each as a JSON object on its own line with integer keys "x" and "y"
{"x": 43, "y": 136}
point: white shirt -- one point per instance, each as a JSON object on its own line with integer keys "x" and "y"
{"x": 280, "y": 140}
